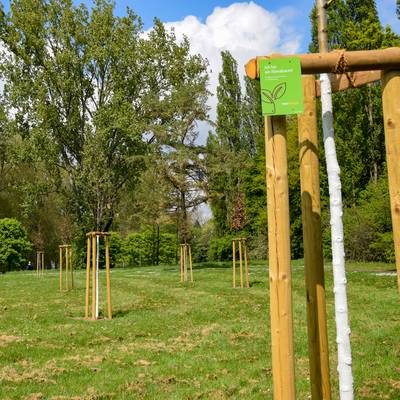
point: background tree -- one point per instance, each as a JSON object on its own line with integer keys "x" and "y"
{"x": 226, "y": 148}
{"x": 14, "y": 245}
{"x": 92, "y": 94}
{"x": 358, "y": 124}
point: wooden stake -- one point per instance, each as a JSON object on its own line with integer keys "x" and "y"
{"x": 42, "y": 263}
{"x": 88, "y": 249}
{"x": 246, "y": 267}
{"x": 190, "y": 264}
{"x": 391, "y": 114}
{"x": 234, "y": 263}
{"x": 313, "y": 257}
{"x": 240, "y": 262}
{"x": 181, "y": 262}
{"x": 185, "y": 262}
{"x": 37, "y": 264}
{"x": 71, "y": 267}
{"x": 66, "y": 268}
{"x": 279, "y": 259}
{"x": 93, "y": 276}
{"x": 61, "y": 269}
{"x": 108, "y": 277}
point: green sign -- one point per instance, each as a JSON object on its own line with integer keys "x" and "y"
{"x": 281, "y": 89}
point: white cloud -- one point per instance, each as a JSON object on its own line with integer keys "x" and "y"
{"x": 246, "y": 30}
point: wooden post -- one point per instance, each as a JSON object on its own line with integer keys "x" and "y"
{"x": 279, "y": 259}
{"x": 66, "y": 268}
{"x": 108, "y": 277}
{"x": 37, "y": 264}
{"x": 391, "y": 114}
{"x": 246, "y": 267}
{"x": 240, "y": 262}
{"x": 181, "y": 261}
{"x": 190, "y": 264}
{"x": 93, "y": 276}
{"x": 313, "y": 256}
{"x": 88, "y": 249}
{"x": 71, "y": 267}
{"x": 185, "y": 262}
{"x": 61, "y": 269}
{"x": 234, "y": 263}
{"x": 42, "y": 263}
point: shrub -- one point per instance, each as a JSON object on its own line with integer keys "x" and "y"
{"x": 202, "y": 236}
{"x": 140, "y": 249}
{"x": 367, "y": 226}
{"x": 14, "y": 245}
{"x": 221, "y": 248}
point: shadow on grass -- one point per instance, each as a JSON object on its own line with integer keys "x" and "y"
{"x": 256, "y": 283}
{"x": 212, "y": 265}
{"x": 122, "y": 313}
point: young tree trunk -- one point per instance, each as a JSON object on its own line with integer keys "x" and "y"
{"x": 338, "y": 259}
{"x": 336, "y": 211}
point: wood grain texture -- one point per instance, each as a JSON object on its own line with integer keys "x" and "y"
{"x": 391, "y": 115}
{"x": 279, "y": 259}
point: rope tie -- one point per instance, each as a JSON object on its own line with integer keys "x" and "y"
{"x": 341, "y": 67}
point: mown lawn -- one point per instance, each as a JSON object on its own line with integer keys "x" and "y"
{"x": 168, "y": 341}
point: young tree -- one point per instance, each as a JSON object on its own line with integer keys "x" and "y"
{"x": 321, "y": 43}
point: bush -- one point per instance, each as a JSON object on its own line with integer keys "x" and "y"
{"x": 202, "y": 236}
{"x": 221, "y": 248}
{"x": 140, "y": 249}
{"x": 14, "y": 245}
{"x": 367, "y": 226}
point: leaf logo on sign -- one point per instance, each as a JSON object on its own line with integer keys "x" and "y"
{"x": 270, "y": 97}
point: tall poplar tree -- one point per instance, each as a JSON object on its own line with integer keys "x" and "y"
{"x": 226, "y": 148}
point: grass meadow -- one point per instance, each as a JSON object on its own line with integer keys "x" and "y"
{"x": 195, "y": 341}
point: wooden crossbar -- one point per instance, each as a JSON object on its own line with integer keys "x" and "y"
{"x": 336, "y": 62}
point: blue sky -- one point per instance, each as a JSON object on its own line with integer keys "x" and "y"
{"x": 176, "y": 10}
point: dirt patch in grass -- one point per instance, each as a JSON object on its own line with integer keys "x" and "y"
{"x": 35, "y": 396}
{"x": 6, "y": 339}
{"x": 87, "y": 361}
{"x": 26, "y": 372}
{"x": 11, "y": 374}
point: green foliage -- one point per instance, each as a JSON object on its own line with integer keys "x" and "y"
{"x": 14, "y": 245}
{"x": 221, "y": 248}
{"x": 138, "y": 249}
{"x": 359, "y": 137}
{"x": 368, "y": 226}
{"x": 84, "y": 85}
{"x": 202, "y": 236}
{"x": 227, "y": 151}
